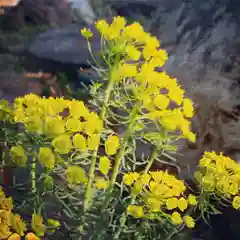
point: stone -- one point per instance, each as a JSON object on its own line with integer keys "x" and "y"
{"x": 65, "y": 45}
{"x": 41, "y": 12}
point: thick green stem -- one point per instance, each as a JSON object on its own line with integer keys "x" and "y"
{"x": 124, "y": 216}
{"x": 122, "y": 150}
{"x": 88, "y": 191}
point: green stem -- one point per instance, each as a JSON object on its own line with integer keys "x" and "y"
{"x": 151, "y": 160}
{"x": 33, "y": 176}
{"x": 88, "y": 191}
{"x": 121, "y": 152}
{"x": 124, "y": 216}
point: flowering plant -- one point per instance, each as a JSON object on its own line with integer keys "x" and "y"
{"x": 89, "y": 166}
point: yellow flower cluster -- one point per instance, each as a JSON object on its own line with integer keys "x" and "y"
{"x": 10, "y": 222}
{"x": 161, "y": 95}
{"x": 158, "y": 193}
{"x": 220, "y": 175}
{"x": 69, "y": 125}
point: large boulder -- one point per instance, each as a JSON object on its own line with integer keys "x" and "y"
{"x": 65, "y": 45}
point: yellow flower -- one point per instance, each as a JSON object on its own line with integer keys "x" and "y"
{"x": 148, "y": 51}
{"x": 182, "y": 204}
{"x": 37, "y": 225}
{"x": 93, "y": 124}
{"x": 62, "y": 144}
{"x": 118, "y": 22}
{"x": 77, "y": 109}
{"x": 161, "y": 101}
{"x": 145, "y": 178}
{"x": 169, "y": 122}
{"x": 35, "y": 124}
{"x": 73, "y": 125}
{"x": 93, "y": 141}
{"x": 172, "y": 203}
{"x": 157, "y": 176}
{"x": 154, "y": 204}
{"x": 31, "y": 236}
{"x": 129, "y": 178}
{"x": 234, "y": 189}
{"x": 192, "y": 200}
{"x": 175, "y": 92}
{"x": 136, "y": 188}
{"x": 188, "y": 109}
{"x": 189, "y": 221}
{"x": 111, "y": 145}
{"x": 176, "y": 218}
{"x": 132, "y": 52}
{"x": 104, "y": 165}
{"x": 17, "y": 153}
{"x": 46, "y": 157}
{"x": 126, "y": 70}
{"x": 135, "y": 211}
{"x": 76, "y": 175}
{"x": 87, "y": 33}
{"x": 102, "y": 26}
{"x": 101, "y": 183}
{"x": 79, "y": 142}
{"x": 236, "y": 202}
{"x": 18, "y": 224}
{"x": 135, "y": 32}
{"x": 54, "y": 126}
{"x": 14, "y": 236}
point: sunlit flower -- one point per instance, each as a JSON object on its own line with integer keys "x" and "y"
{"x": 46, "y": 157}
{"x": 18, "y": 156}
{"x": 76, "y": 175}
{"x": 79, "y": 142}
{"x": 189, "y": 221}
{"x": 104, "y": 165}
{"x": 87, "y": 33}
{"x": 135, "y": 211}
{"x": 176, "y": 218}
{"x": 62, "y": 144}
{"x": 111, "y": 145}
{"x": 101, "y": 183}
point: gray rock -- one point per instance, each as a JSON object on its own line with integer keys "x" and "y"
{"x": 65, "y": 45}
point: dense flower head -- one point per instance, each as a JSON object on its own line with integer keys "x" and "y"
{"x": 76, "y": 175}
{"x": 158, "y": 192}
{"x": 220, "y": 175}
{"x": 63, "y": 121}
{"x": 163, "y": 99}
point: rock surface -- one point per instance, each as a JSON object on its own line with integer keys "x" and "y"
{"x": 53, "y": 12}
{"x": 65, "y": 45}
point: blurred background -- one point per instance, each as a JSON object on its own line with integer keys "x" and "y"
{"x": 42, "y": 51}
